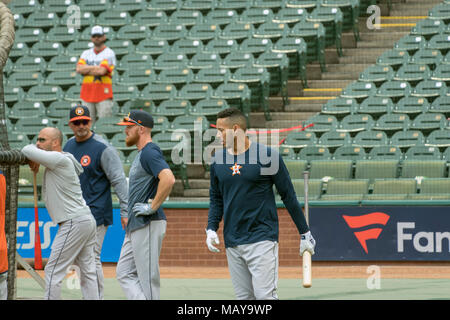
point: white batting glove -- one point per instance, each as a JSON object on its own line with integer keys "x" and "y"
{"x": 212, "y": 238}
{"x": 307, "y": 243}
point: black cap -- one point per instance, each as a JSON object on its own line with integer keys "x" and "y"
{"x": 137, "y": 117}
{"x": 79, "y": 112}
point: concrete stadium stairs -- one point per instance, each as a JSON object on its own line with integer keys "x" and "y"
{"x": 305, "y": 102}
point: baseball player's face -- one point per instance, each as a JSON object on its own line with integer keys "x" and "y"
{"x": 80, "y": 128}
{"x": 98, "y": 40}
{"x": 228, "y": 133}
{"x": 132, "y": 135}
{"x": 44, "y": 140}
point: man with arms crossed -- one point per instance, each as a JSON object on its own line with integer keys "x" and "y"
{"x": 242, "y": 176}
{"x": 75, "y": 240}
{"x": 101, "y": 169}
{"x": 150, "y": 182}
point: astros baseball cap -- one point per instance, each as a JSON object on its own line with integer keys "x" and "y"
{"x": 97, "y": 30}
{"x": 79, "y": 113}
{"x": 137, "y": 117}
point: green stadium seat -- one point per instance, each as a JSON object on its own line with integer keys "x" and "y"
{"x": 338, "y": 169}
{"x": 440, "y": 42}
{"x": 394, "y": 89}
{"x": 356, "y": 123}
{"x": 133, "y": 32}
{"x": 349, "y": 152}
{"x": 411, "y": 106}
{"x": 164, "y": 5}
{"x": 150, "y": 18}
{"x": 310, "y": 153}
{"x": 42, "y": 19}
{"x": 370, "y": 139}
{"x": 19, "y": 49}
{"x": 187, "y": 18}
{"x": 107, "y": 126}
{"x": 392, "y": 189}
{"x": 214, "y": 76}
{"x": 313, "y": 33}
{"x": 189, "y": 123}
{"x": 208, "y": 108}
{"x": 385, "y": 153}
{"x": 299, "y": 139}
{"x": 407, "y": 138}
{"x": 237, "y": 31}
{"x": 62, "y": 63}
{"x": 25, "y": 79}
{"x": 124, "y": 92}
{"x": 314, "y": 188}
{"x": 430, "y": 57}
{"x": 377, "y": 74}
{"x": 161, "y": 124}
{"x": 321, "y": 123}
{"x": 423, "y": 168}
{"x": 350, "y": 11}
{"x": 268, "y": 4}
{"x": 392, "y": 122}
{"x": 77, "y": 48}
{"x": 296, "y": 168}
{"x": 427, "y": 122}
{"x": 441, "y": 105}
{"x": 134, "y": 61}
{"x": 221, "y": 47}
{"x": 170, "y": 60}
{"x": 152, "y": 47}
{"x": 376, "y": 169}
{"x": 46, "y": 49}
{"x": 187, "y": 47}
{"x": 85, "y": 20}
{"x": 306, "y": 4}
{"x": 204, "y": 60}
{"x": 72, "y": 94}
{"x": 441, "y": 73}
{"x": 339, "y": 107}
{"x": 433, "y": 189}
{"x": 137, "y": 77}
{"x": 422, "y": 153}
{"x": 438, "y": 138}
{"x": 29, "y": 35}
{"x": 121, "y": 47}
{"x": 277, "y": 64}
{"x": 237, "y": 5}
{"x": 334, "y": 139}
{"x": 410, "y": 43}
{"x": 332, "y": 19}
{"x": 352, "y": 189}
{"x": 440, "y": 12}
{"x": 169, "y": 32}
{"x": 288, "y": 154}
{"x": 272, "y": 30}
{"x": 359, "y": 90}
{"x": 221, "y": 17}
{"x": 44, "y": 93}
{"x": 429, "y": 89}
{"x": 24, "y": 7}
{"x": 114, "y": 19}
{"x": 59, "y": 110}
{"x": 13, "y": 94}
{"x": 95, "y": 6}
{"x": 238, "y": 59}
{"x": 413, "y": 73}
{"x": 195, "y": 92}
{"x": 289, "y": 16}
{"x": 255, "y": 46}
{"x": 375, "y": 106}
{"x": 131, "y": 6}
{"x": 177, "y": 77}
{"x": 29, "y": 64}
{"x": 64, "y": 79}
{"x": 428, "y": 27}
{"x": 17, "y": 140}
{"x": 26, "y": 109}
{"x": 62, "y": 34}
{"x": 204, "y": 6}
{"x": 156, "y": 93}
{"x": 296, "y": 50}
{"x": 236, "y": 94}
{"x": 393, "y": 58}
{"x": 31, "y": 126}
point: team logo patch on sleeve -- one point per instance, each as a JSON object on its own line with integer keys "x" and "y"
{"x": 85, "y": 161}
{"x": 236, "y": 169}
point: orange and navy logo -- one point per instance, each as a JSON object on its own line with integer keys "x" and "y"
{"x": 236, "y": 169}
{"x": 85, "y": 161}
{"x": 374, "y": 218}
{"x": 79, "y": 111}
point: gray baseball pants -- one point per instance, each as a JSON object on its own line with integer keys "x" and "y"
{"x": 100, "y": 109}
{"x": 100, "y": 237}
{"x": 3, "y": 285}
{"x": 138, "y": 267}
{"x": 73, "y": 244}
{"x": 254, "y": 270}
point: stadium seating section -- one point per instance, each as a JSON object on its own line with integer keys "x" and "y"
{"x": 386, "y": 136}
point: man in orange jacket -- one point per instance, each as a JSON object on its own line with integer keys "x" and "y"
{"x": 3, "y": 252}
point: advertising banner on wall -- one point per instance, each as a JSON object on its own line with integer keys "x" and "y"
{"x": 47, "y": 230}
{"x": 392, "y": 233}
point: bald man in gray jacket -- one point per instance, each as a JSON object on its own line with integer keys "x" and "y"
{"x": 75, "y": 240}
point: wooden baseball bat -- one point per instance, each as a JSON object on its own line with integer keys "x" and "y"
{"x": 37, "y": 238}
{"x": 306, "y": 257}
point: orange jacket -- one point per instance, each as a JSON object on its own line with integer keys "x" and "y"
{"x": 3, "y": 248}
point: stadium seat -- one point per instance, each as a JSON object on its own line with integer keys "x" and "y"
{"x": 19, "y": 49}
{"x": 427, "y": 122}
{"x": 25, "y": 79}
{"x": 124, "y": 93}
{"x": 289, "y": 16}
{"x": 59, "y": 110}
{"x": 118, "y": 142}
{"x": 107, "y": 126}
{"x": 27, "y": 109}
{"x": 334, "y": 139}
{"x": 44, "y": 93}
{"x": 255, "y": 46}
{"x": 238, "y": 59}
{"x": 369, "y": 139}
{"x": 189, "y": 123}
{"x": 236, "y": 94}
{"x": 356, "y": 123}
{"x": 31, "y": 126}
{"x": 24, "y": 7}
{"x": 288, "y": 154}
{"x": 133, "y": 32}
{"x": 321, "y": 123}
{"x": 429, "y": 89}
{"x": 46, "y": 49}
{"x": 351, "y": 189}
{"x": 131, "y": 6}
{"x": 359, "y": 90}
{"x": 29, "y": 64}
{"x": 156, "y": 93}
{"x": 13, "y": 94}
{"x": 392, "y": 189}
{"x": 169, "y": 32}
{"x": 137, "y": 77}
{"x": 385, "y": 153}
{"x": 296, "y": 168}
{"x": 205, "y": 60}
{"x": 376, "y": 169}
{"x": 152, "y": 47}
{"x": 17, "y": 140}
{"x": 410, "y": 43}
{"x": 411, "y": 106}
{"x": 150, "y": 18}
{"x": 221, "y": 17}
{"x": 430, "y": 57}
{"x": 209, "y": 108}
{"x": 299, "y": 139}
{"x": 77, "y": 48}
{"x": 314, "y": 188}
{"x": 377, "y": 74}
{"x": 134, "y": 61}
{"x": 85, "y": 21}
{"x": 187, "y": 18}
{"x": 64, "y": 79}
{"x": 432, "y": 189}
{"x": 423, "y": 168}
{"x": 204, "y": 6}
{"x": 188, "y": 47}
{"x": 95, "y": 6}
{"x": 392, "y": 122}
{"x": 42, "y": 19}
{"x": 120, "y": 47}
{"x": 114, "y": 19}
{"x": 72, "y": 94}
{"x": 441, "y": 105}
{"x": 178, "y": 77}
{"x": 237, "y": 31}
{"x": 338, "y": 169}
{"x": 272, "y": 30}
{"x": 375, "y": 106}
{"x": 350, "y": 11}
{"x": 393, "y": 58}
{"x": 438, "y": 138}
{"x": 306, "y": 4}
{"x": 221, "y": 47}
{"x": 422, "y": 153}
{"x": 214, "y": 76}
{"x": 170, "y": 60}
{"x": 195, "y": 92}
{"x": 441, "y": 73}
{"x": 255, "y": 15}
{"x": 62, "y": 35}
{"x": 161, "y": 124}
{"x": 440, "y": 42}
{"x": 237, "y": 5}
{"x": 394, "y": 89}
{"x": 29, "y": 35}
{"x": 349, "y": 152}
{"x": 310, "y": 153}
{"x": 62, "y": 63}
{"x": 440, "y": 12}
{"x": 407, "y": 138}
{"x": 167, "y": 6}
{"x": 296, "y": 51}
{"x": 339, "y": 107}
{"x": 428, "y": 27}
{"x": 413, "y": 73}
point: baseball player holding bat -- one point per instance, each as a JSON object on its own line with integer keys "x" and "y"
{"x": 75, "y": 240}
{"x": 241, "y": 193}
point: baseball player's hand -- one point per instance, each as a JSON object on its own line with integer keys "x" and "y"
{"x": 143, "y": 209}
{"x": 124, "y": 222}
{"x": 307, "y": 243}
{"x": 34, "y": 166}
{"x": 212, "y": 238}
